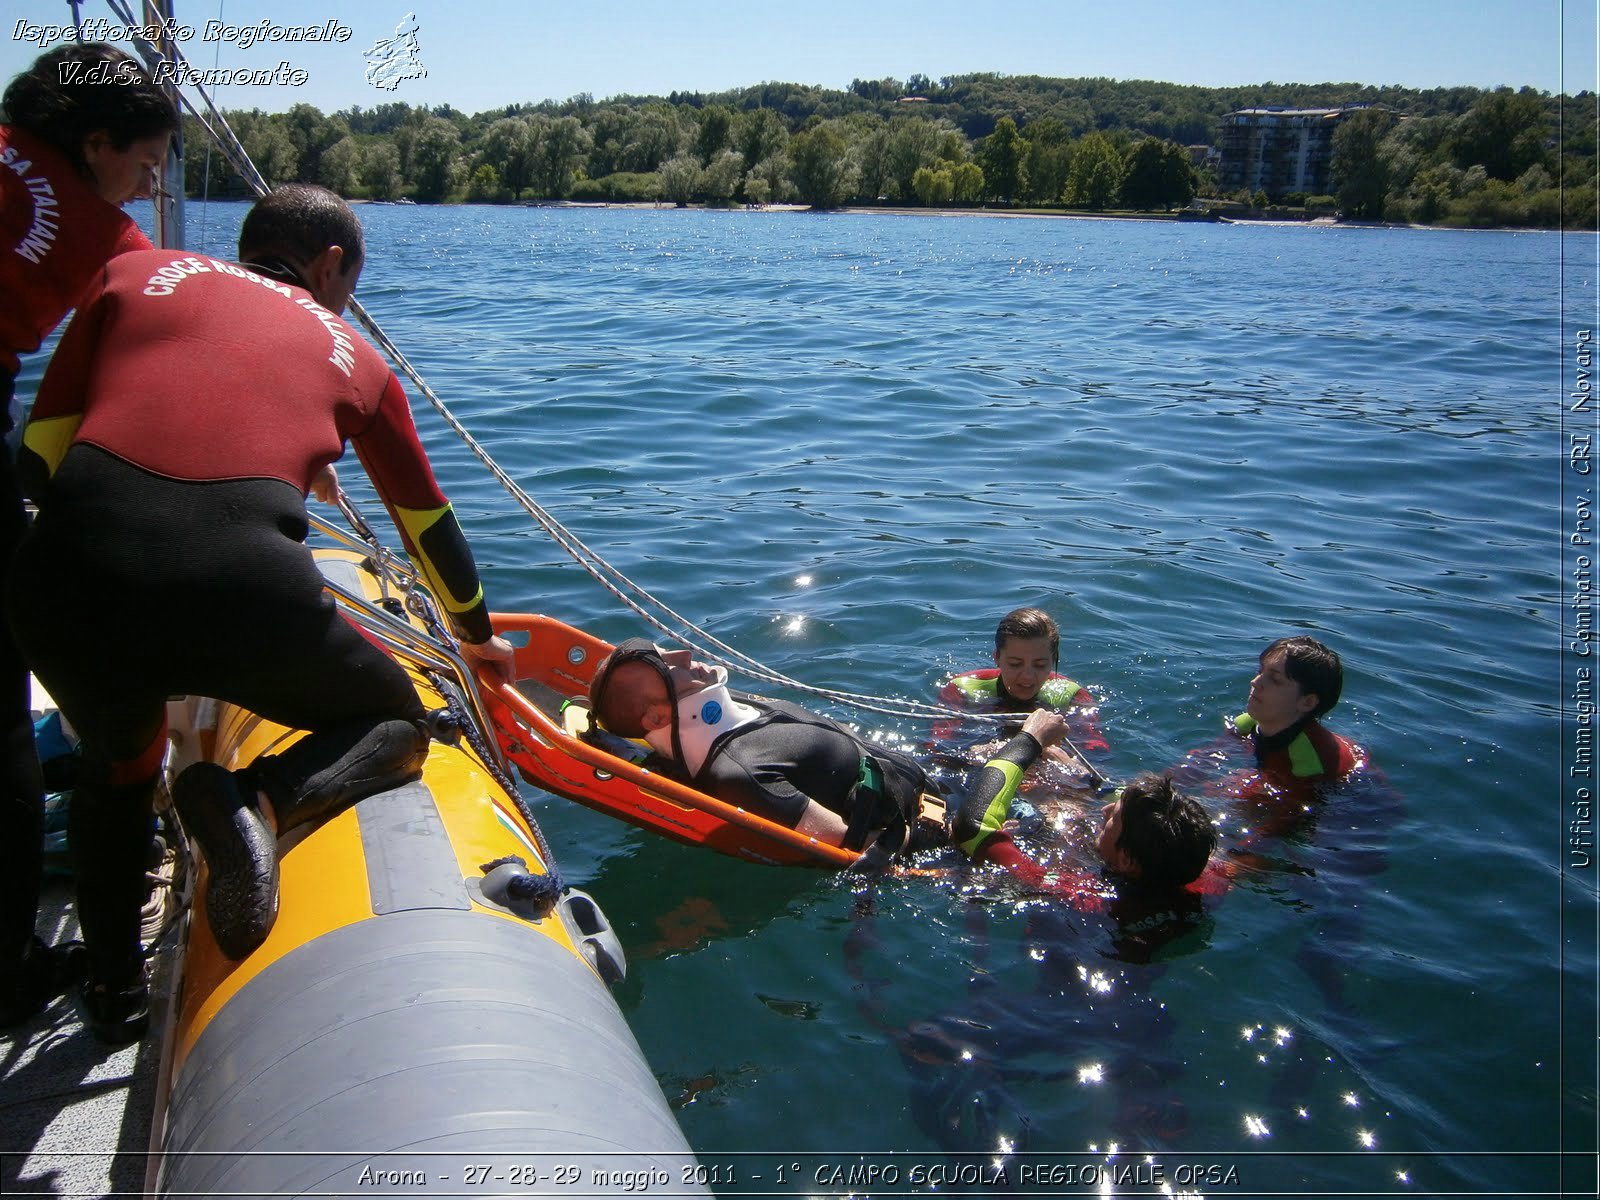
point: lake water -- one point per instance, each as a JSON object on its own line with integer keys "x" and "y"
{"x": 848, "y": 444}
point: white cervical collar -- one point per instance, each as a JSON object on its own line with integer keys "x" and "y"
{"x": 703, "y": 717}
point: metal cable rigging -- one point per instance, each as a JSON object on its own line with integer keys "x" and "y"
{"x": 631, "y": 594}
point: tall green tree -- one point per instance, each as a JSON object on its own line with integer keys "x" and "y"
{"x": 1178, "y": 173}
{"x": 768, "y": 181}
{"x": 339, "y": 166}
{"x": 484, "y": 184}
{"x": 680, "y": 178}
{"x": 1049, "y": 158}
{"x": 1504, "y": 132}
{"x": 1004, "y": 158}
{"x": 968, "y": 185}
{"x": 312, "y": 135}
{"x": 912, "y": 144}
{"x": 820, "y": 167}
{"x": 716, "y": 129}
{"x": 206, "y": 170}
{"x": 872, "y": 158}
{"x": 933, "y": 186}
{"x": 507, "y": 146}
{"x": 1360, "y": 168}
{"x": 610, "y": 130}
{"x": 557, "y": 147}
{"x": 379, "y": 171}
{"x": 433, "y": 157}
{"x": 269, "y": 146}
{"x": 719, "y": 178}
{"x": 1431, "y": 192}
{"x": 656, "y": 137}
{"x": 1157, "y": 174}
{"x": 1095, "y": 180}
{"x": 759, "y": 134}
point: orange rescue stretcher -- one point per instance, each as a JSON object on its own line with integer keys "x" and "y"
{"x": 555, "y": 664}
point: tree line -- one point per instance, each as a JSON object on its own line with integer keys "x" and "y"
{"x": 1461, "y": 156}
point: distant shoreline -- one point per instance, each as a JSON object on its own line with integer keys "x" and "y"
{"x": 1008, "y": 214}
{"x": 1042, "y": 214}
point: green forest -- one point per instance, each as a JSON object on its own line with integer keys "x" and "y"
{"x": 1449, "y": 156}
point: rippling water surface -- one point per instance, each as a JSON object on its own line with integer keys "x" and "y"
{"x": 848, "y": 444}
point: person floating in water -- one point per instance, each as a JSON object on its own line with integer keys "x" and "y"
{"x": 1299, "y": 681}
{"x": 1024, "y": 679}
{"x": 1287, "y": 760}
{"x": 1098, "y": 948}
{"x": 1027, "y": 655}
{"x": 1272, "y": 776}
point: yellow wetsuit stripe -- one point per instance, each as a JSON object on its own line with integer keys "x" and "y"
{"x": 51, "y": 438}
{"x": 1304, "y": 761}
{"x": 416, "y": 522}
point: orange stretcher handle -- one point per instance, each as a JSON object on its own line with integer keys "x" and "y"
{"x": 523, "y": 711}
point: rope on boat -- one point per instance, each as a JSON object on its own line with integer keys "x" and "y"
{"x": 454, "y": 720}
{"x": 222, "y": 135}
{"x": 704, "y": 644}
{"x": 626, "y": 589}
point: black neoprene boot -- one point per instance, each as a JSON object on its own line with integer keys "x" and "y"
{"x": 219, "y": 811}
{"x": 42, "y": 973}
{"x": 325, "y": 773}
{"x": 115, "y": 1015}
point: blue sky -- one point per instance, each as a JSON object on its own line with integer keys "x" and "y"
{"x": 480, "y": 56}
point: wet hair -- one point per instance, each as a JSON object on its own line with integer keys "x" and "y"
{"x": 1314, "y": 668}
{"x": 1169, "y": 835}
{"x": 623, "y": 713}
{"x": 62, "y": 106}
{"x": 292, "y": 224}
{"x": 1027, "y": 624}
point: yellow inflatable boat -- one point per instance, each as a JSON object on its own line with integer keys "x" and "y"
{"x": 430, "y": 1013}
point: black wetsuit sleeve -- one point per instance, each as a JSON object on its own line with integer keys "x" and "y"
{"x": 988, "y": 802}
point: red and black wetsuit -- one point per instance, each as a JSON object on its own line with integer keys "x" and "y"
{"x": 1292, "y": 770}
{"x": 176, "y": 434}
{"x": 55, "y": 233}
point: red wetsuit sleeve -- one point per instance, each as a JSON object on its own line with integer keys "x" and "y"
{"x": 1338, "y": 756}
{"x": 394, "y": 459}
{"x": 1081, "y": 888}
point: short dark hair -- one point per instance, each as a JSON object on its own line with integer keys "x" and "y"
{"x": 1167, "y": 834}
{"x": 1314, "y": 667}
{"x": 1026, "y": 624}
{"x": 111, "y": 91}
{"x": 623, "y": 715}
{"x": 298, "y": 221}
